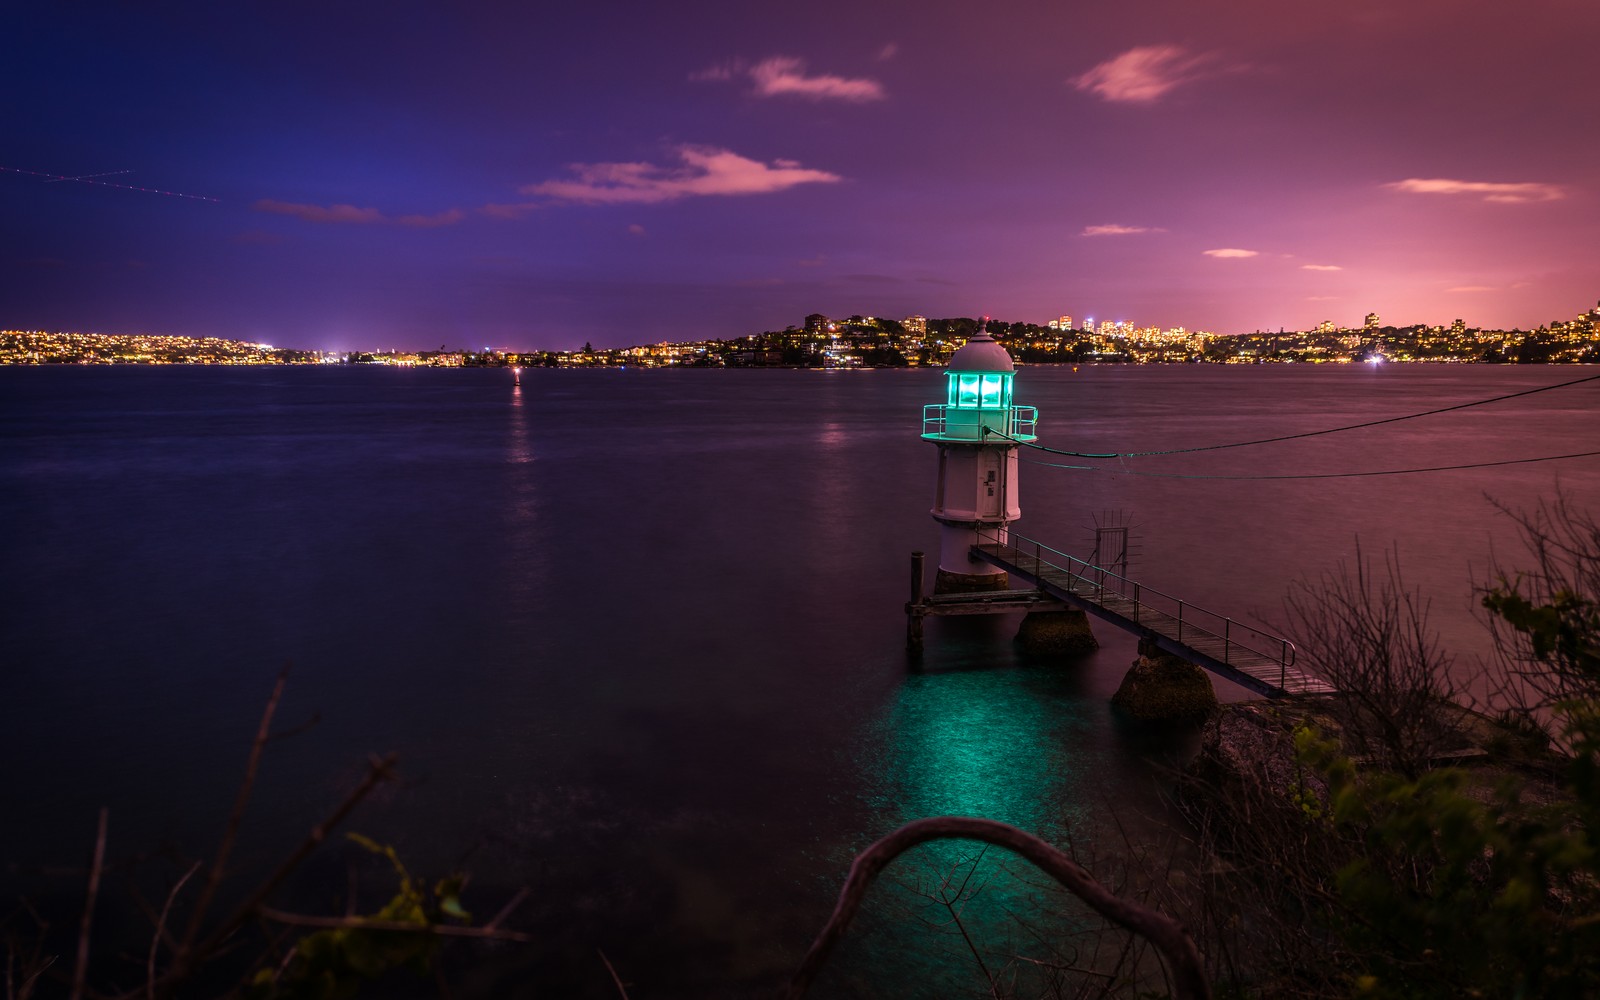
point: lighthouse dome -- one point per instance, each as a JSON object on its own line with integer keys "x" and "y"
{"x": 981, "y": 353}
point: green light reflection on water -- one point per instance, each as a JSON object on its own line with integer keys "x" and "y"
{"x": 994, "y": 744}
{"x": 1015, "y": 745}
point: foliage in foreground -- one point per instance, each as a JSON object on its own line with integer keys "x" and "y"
{"x": 333, "y": 963}
{"x": 263, "y": 952}
{"x": 1384, "y": 876}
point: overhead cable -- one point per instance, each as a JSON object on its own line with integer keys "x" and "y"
{"x": 1322, "y": 475}
{"x": 1303, "y": 434}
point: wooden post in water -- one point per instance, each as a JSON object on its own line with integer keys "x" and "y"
{"x": 914, "y": 608}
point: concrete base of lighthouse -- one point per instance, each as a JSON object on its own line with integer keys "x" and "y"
{"x": 1057, "y": 633}
{"x": 959, "y": 573}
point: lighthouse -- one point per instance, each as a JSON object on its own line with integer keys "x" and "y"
{"x": 977, "y": 431}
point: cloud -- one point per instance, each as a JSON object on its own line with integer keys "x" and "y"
{"x": 1472, "y": 288}
{"x": 1490, "y": 190}
{"x": 636, "y": 229}
{"x": 817, "y": 261}
{"x": 1320, "y": 267}
{"x": 319, "y": 213}
{"x": 350, "y": 214}
{"x": 449, "y": 218}
{"x": 1231, "y": 252}
{"x": 1113, "y": 229}
{"x": 510, "y": 211}
{"x": 720, "y": 73}
{"x": 889, "y": 51}
{"x": 1141, "y": 75}
{"x": 785, "y": 75}
{"x": 704, "y": 170}
{"x": 1322, "y": 298}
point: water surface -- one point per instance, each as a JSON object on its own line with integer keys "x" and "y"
{"x": 637, "y": 636}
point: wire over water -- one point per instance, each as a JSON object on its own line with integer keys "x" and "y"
{"x": 1307, "y": 434}
{"x": 1321, "y": 475}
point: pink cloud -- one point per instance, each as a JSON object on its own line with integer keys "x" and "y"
{"x": 1320, "y": 267}
{"x": 1231, "y": 252}
{"x": 704, "y": 171}
{"x": 720, "y": 73}
{"x": 785, "y": 75}
{"x": 1141, "y": 75}
{"x": 449, "y": 218}
{"x": 1472, "y": 288}
{"x": 514, "y": 211}
{"x": 1113, "y": 229}
{"x": 320, "y": 213}
{"x": 889, "y": 51}
{"x": 350, "y": 214}
{"x": 1506, "y": 193}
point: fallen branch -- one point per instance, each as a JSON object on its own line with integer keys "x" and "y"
{"x": 1169, "y": 936}
{"x": 373, "y": 924}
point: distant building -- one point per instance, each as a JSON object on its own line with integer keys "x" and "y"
{"x": 1371, "y": 321}
{"x": 915, "y": 324}
{"x": 1458, "y": 327}
{"x": 818, "y": 323}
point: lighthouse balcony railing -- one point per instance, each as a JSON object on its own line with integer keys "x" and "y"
{"x": 943, "y": 422}
{"x": 1216, "y": 634}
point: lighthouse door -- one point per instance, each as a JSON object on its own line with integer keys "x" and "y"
{"x": 991, "y": 491}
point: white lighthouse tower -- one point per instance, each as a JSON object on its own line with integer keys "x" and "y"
{"x": 977, "y": 431}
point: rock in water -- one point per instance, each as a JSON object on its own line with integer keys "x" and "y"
{"x": 1161, "y": 687}
{"x": 1057, "y": 633}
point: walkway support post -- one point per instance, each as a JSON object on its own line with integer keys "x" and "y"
{"x": 913, "y": 609}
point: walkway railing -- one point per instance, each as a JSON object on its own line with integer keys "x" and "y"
{"x": 1241, "y": 647}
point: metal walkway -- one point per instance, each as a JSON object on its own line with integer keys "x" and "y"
{"x": 1258, "y": 660}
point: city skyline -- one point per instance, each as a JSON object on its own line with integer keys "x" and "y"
{"x": 516, "y": 179}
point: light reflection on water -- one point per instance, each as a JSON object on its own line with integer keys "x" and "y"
{"x": 981, "y": 743}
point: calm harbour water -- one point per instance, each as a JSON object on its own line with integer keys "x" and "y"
{"x": 637, "y": 636}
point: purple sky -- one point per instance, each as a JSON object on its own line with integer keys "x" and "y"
{"x": 528, "y": 175}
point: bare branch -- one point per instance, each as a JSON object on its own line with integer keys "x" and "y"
{"x": 505, "y": 911}
{"x": 1167, "y": 934}
{"x": 621, "y": 990}
{"x": 161, "y": 929}
{"x": 80, "y": 972}
{"x": 219, "y": 864}
{"x": 1364, "y": 631}
{"x": 378, "y": 769}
